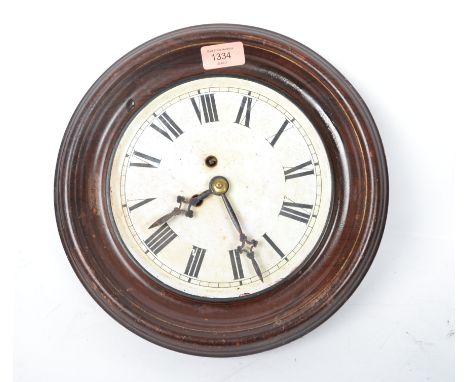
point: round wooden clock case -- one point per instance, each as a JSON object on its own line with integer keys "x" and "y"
{"x": 279, "y": 314}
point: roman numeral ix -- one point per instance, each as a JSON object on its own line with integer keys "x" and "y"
{"x": 160, "y": 239}
{"x": 169, "y": 128}
{"x": 296, "y": 211}
{"x": 194, "y": 262}
{"x": 208, "y": 105}
{"x": 294, "y": 172}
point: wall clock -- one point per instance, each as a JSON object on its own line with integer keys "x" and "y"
{"x": 221, "y": 190}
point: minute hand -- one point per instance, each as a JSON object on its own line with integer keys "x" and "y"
{"x": 244, "y": 240}
{"x": 232, "y": 215}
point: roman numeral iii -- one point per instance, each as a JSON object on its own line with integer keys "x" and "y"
{"x": 160, "y": 239}
{"x": 243, "y": 115}
{"x": 297, "y": 171}
{"x": 195, "y": 261}
{"x": 295, "y": 211}
{"x": 169, "y": 128}
{"x": 208, "y": 107}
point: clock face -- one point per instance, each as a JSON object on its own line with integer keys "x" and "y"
{"x": 249, "y": 166}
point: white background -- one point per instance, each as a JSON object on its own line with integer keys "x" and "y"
{"x": 406, "y": 59}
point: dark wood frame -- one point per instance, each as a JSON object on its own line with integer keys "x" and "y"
{"x": 269, "y": 319}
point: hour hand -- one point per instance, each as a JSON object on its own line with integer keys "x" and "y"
{"x": 165, "y": 218}
{"x": 176, "y": 211}
{"x": 194, "y": 201}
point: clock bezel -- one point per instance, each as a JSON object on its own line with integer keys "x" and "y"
{"x": 273, "y": 317}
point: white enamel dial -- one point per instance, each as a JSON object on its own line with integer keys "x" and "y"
{"x": 279, "y": 186}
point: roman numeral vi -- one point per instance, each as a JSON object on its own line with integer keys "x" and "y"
{"x": 236, "y": 264}
{"x": 195, "y": 261}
